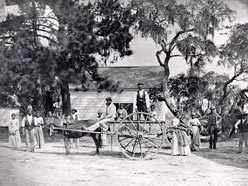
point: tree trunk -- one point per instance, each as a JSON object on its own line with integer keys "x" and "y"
{"x": 66, "y": 100}
{"x": 167, "y": 99}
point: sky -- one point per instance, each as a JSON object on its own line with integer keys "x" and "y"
{"x": 144, "y": 49}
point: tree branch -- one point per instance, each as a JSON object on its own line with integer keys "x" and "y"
{"x": 176, "y": 56}
{"x": 174, "y": 39}
{"x": 225, "y": 93}
{"x": 158, "y": 57}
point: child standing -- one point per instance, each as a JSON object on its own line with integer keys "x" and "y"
{"x": 14, "y": 132}
{"x": 153, "y": 113}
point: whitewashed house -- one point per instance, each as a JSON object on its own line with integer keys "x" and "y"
{"x": 89, "y": 102}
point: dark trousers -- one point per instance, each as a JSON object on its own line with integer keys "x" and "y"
{"x": 213, "y": 132}
{"x": 243, "y": 138}
{"x": 141, "y": 107}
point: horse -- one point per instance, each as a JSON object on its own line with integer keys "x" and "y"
{"x": 61, "y": 125}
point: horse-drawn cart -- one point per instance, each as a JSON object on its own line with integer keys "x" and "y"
{"x": 139, "y": 135}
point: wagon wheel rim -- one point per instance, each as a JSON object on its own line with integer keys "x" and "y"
{"x": 140, "y": 139}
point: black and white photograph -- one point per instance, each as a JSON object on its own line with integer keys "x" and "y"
{"x": 123, "y": 92}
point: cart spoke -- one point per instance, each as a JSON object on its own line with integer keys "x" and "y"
{"x": 125, "y": 138}
{"x": 143, "y": 127}
{"x": 129, "y": 129}
{"x": 134, "y": 147}
{"x": 133, "y": 124}
{"x": 128, "y": 143}
{"x": 140, "y": 138}
{"x": 151, "y": 142}
{"x": 140, "y": 148}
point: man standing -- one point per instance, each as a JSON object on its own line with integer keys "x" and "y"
{"x": 38, "y": 129}
{"x": 242, "y": 125}
{"x": 108, "y": 115}
{"x": 141, "y": 101}
{"x": 213, "y": 120}
{"x": 29, "y": 123}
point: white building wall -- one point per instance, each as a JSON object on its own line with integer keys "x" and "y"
{"x": 88, "y": 103}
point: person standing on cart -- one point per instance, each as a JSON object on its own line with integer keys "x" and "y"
{"x": 141, "y": 101}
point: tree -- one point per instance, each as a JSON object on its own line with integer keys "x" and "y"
{"x": 189, "y": 91}
{"x": 234, "y": 55}
{"x": 23, "y": 55}
{"x": 181, "y": 30}
{"x": 84, "y": 31}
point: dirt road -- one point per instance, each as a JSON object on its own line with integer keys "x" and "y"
{"x": 50, "y": 167}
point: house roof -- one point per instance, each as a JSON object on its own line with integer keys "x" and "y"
{"x": 127, "y": 77}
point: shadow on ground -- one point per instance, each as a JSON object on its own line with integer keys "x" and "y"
{"x": 103, "y": 153}
{"x": 226, "y": 154}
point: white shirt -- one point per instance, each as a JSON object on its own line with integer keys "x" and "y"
{"x": 194, "y": 122}
{"x": 74, "y": 116}
{"x": 13, "y": 125}
{"x": 175, "y": 122}
{"x": 110, "y": 112}
{"x": 238, "y": 122}
{"x": 39, "y": 120}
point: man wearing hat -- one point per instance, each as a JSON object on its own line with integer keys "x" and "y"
{"x": 141, "y": 101}
{"x": 108, "y": 115}
{"x": 29, "y": 123}
{"x": 73, "y": 117}
{"x": 213, "y": 120}
{"x": 242, "y": 126}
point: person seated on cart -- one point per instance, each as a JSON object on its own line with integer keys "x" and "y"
{"x": 99, "y": 114}
{"x": 141, "y": 101}
{"x": 121, "y": 112}
{"x": 108, "y": 115}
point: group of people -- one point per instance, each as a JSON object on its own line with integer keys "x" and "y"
{"x": 32, "y": 129}
{"x": 185, "y": 135}
{"x": 141, "y": 103}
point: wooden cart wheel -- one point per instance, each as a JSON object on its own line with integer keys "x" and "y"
{"x": 140, "y": 136}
